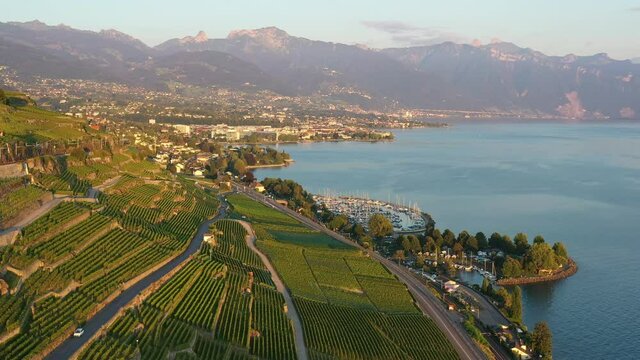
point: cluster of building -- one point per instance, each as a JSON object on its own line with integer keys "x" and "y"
{"x": 303, "y": 132}
{"x": 117, "y": 101}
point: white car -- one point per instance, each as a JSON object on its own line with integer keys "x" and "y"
{"x": 79, "y": 332}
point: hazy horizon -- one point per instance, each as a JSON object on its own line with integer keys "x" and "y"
{"x": 570, "y": 27}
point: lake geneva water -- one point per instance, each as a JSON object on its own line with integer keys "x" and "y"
{"x": 576, "y": 182}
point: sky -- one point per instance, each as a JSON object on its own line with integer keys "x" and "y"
{"x": 555, "y": 27}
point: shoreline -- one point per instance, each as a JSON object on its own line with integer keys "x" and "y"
{"x": 571, "y": 269}
{"x": 311, "y": 141}
{"x": 286, "y": 163}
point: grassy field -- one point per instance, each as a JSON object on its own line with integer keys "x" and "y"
{"x": 281, "y": 226}
{"x": 205, "y": 311}
{"x": 117, "y": 242}
{"x": 351, "y": 306}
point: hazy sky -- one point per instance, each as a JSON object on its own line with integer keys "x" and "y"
{"x": 555, "y": 27}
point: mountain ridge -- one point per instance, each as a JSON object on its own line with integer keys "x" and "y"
{"x": 494, "y": 76}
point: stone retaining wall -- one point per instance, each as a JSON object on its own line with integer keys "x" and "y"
{"x": 571, "y": 269}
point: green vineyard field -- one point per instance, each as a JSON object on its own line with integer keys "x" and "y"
{"x": 212, "y": 308}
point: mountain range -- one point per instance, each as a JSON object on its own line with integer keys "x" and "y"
{"x": 494, "y": 77}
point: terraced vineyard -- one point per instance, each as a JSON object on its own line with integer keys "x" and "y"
{"x": 351, "y": 307}
{"x": 55, "y": 220}
{"x": 212, "y": 308}
{"x": 65, "y": 275}
{"x": 18, "y": 200}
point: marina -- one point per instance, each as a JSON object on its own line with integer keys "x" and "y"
{"x": 359, "y": 209}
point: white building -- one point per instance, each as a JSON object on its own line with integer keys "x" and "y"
{"x": 451, "y": 286}
{"x": 185, "y": 129}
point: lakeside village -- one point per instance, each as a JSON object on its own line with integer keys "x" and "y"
{"x": 408, "y": 236}
{"x": 204, "y": 151}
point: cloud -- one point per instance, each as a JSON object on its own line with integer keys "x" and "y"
{"x": 635, "y": 9}
{"x": 403, "y": 34}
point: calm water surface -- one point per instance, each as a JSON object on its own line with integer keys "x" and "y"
{"x": 576, "y": 183}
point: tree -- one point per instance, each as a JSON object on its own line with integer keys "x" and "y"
{"x": 504, "y": 297}
{"x": 516, "y": 304}
{"x": 486, "y": 287}
{"x": 380, "y": 226}
{"x": 449, "y": 237}
{"x": 472, "y": 244}
{"x": 507, "y": 245}
{"x": 542, "y": 341}
{"x": 437, "y": 237}
{"x": 463, "y": 237}
{"x": 457, "y": 249}
{"x": 414, "y": 244}
{"x": 561, "y": 252}
{"x": 522, "y": 243}
{"x": 399, "y": 256}
{"x": 238, "y": 167}
{"x": 367, "y": 242}
{"x": 219, "y": 164}
{"x": 538, "y": 239}
{"x": 248, "y": 177}
{"x": 430, "y": 245}
{"x": 540, "y": 257}
{"x": 482, "y": 240}
{"x": 405, "y": 243}
{"x": 511, "y": 268}
{"x": 338, "y": 222}
{"x": 357, "y": 231}
{"x": 495, "y": 240}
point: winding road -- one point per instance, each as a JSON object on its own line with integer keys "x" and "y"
{"x": 70, "y": 346}
{"x": 292, "y": 313}
{"x": 449, "y": 323}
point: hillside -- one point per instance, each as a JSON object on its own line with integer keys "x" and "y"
{"x": 21, "y": 119}
{"x": 68, "y": 263}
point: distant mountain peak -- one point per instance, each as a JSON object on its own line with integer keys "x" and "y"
{"x": 266, "y": 32}
{"x": 269, "y": 37}
{"x": 115, "y": 34}
{"x": 602, "y": 58}
{"x": 31, "y": 25}
{"x": 199, "y": 38}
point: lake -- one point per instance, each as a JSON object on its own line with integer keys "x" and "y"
{"x": 573, "y": 182}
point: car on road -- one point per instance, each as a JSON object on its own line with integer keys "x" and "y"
{"x": 79, "y": 332}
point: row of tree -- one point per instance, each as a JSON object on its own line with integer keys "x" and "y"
{"x": 297, "y": 198}
{"x": 509, "y": 301}
{"x": 539, "y": 259}
{"x": 379, "y": 227}
{"x": 237, "y": 161}
{"x": 522, "y": 258}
